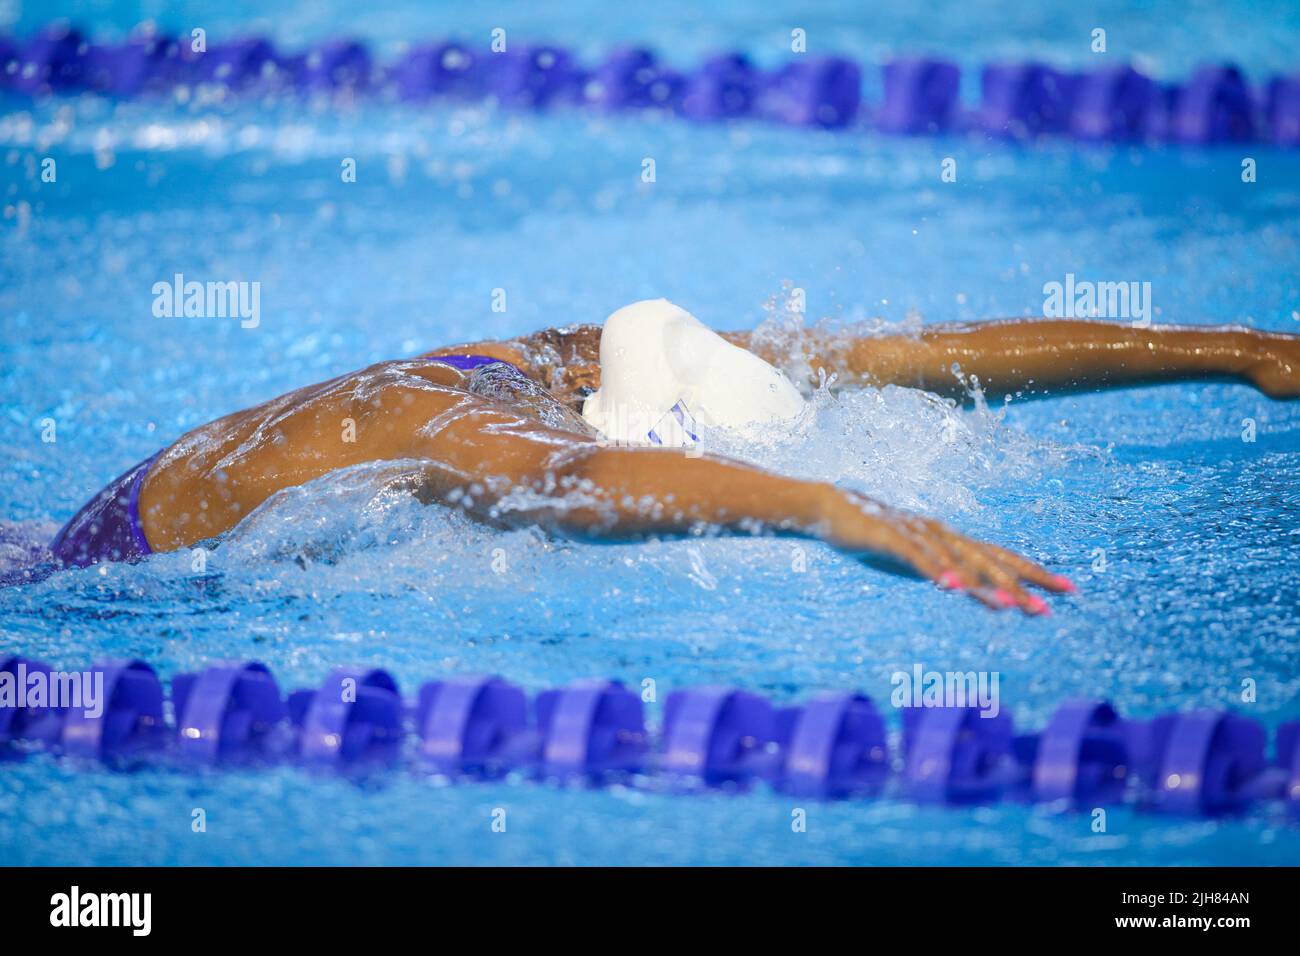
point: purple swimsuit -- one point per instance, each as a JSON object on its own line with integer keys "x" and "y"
{"x": 108, "y": 528}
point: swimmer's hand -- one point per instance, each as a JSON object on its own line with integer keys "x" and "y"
{"x": 932, "y": 550}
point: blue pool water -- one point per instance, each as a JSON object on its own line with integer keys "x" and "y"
{"x": 1198, "y": 528}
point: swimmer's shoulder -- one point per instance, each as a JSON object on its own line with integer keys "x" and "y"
{"x": 546, "y": 356}
{"x": 561, "y": 345}
{"x": 411, "y": 377}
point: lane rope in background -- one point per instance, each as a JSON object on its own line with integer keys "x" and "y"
{"x": 920, "y": 95}
{"x": 1197, "y": 763}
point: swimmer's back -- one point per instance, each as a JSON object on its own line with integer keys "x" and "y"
{"x": 214, "y": 476}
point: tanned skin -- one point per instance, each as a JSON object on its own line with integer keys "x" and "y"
{"x": 477, "y": 444}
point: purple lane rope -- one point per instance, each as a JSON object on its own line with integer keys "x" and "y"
{"x": 836, "y": 745}
{"x": 1018, "y": 101}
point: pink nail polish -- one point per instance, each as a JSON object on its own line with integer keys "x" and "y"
{"x": 1066, "y": 585}
{"x": 1038, "y": 606}
{"x": 1003, "y": 598}
{"x": 951, "y": 580}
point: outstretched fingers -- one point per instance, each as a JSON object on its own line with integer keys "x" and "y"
{"x": 995, "y": 576}
{"x": 1034, "y": 573}
{"x": 998, "y": 578}
{"x": 961, "y": 572}
{"x": 943, "y": 557}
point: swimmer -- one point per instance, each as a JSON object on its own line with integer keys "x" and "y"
{"x": 572, "y": 430}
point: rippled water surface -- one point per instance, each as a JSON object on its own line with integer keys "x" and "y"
{"x": 1195, "y": 589}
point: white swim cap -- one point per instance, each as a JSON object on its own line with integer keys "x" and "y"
{"x": 662, "y": 371}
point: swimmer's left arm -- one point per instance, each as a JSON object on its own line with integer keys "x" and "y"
{"x": 1044, "y": 356}
{"x": 518, "y": 474}
{"x": 643, "y": 490}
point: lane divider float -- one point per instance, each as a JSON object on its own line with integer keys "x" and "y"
{"x": 921, "y": 95}
{"x": 1198, "y": 763}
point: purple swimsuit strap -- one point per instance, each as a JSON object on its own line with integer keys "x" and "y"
{"x": 467, "y": 362}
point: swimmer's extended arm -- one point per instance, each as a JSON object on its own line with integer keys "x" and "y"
{"x": 526, "y": 476}
{"x": 1042, "y": 356}
{"x": 657, "y": 491}
{"x": 1031, "y": 356}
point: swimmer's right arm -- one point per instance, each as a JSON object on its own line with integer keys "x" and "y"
{"x": 1047, "y": 356}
